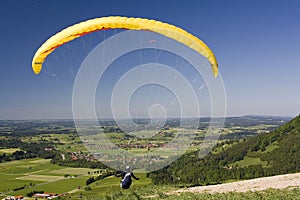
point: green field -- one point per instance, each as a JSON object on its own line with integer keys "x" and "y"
{"x": 74, "y": 171}
{"x": 9, "y": 151}
{"x": 270, "y": 148}
{"x": 43, "y": 178}
{"x": 62, "y": 186}
{"x": 63, "y": 142}
{"x": 40, "y": 174}
{"x": 247, "y": 161}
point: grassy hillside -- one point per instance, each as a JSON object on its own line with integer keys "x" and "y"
{"x": 273, "y": 153}
{"x": 155, "y": 193}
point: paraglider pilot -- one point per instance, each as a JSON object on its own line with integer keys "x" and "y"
{"x": 126, "y": 178}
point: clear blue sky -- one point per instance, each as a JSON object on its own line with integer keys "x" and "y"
{"x": 256, "y": 42}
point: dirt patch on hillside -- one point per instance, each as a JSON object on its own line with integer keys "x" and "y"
{"x": 275, "y": 182}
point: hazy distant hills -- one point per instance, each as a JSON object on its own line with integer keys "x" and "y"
{"x": 250, "y": 120}
{"x": 277, "y": 152}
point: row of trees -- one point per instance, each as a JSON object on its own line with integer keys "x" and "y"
{"x": 27, "y": 150}
{"x": 100, "y": 177}
{"x": 81, "y": 163}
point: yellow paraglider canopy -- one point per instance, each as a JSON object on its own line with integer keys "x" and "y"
{"x": 116, "y": 22}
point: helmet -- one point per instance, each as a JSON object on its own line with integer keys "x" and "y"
{"x": 127, "y": 167}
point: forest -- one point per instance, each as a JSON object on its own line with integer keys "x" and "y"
{"x": 27, "y": 150}
{"x": 277, "y": 153}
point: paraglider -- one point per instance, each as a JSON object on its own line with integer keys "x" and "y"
{"x": 126, "y": 178}
{"x": 117, "y": 22}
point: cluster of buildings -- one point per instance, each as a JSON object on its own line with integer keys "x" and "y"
{"x": 14, "y": 198}
{"x": 45, "y": 195}
{"x": 139, "y": 146}
{"x": 81, "y": 156}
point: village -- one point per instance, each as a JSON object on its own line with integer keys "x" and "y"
{"x": 44, "y": 195}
